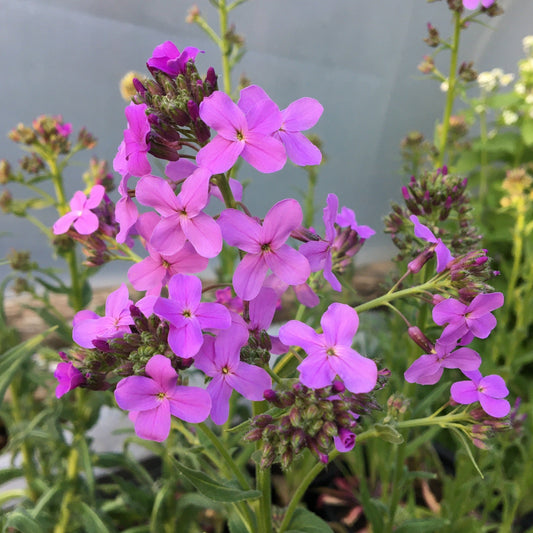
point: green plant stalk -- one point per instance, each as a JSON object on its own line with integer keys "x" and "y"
{"x": 62, "y": 525}
{"x": 28, "y": 466}
{"x": 396, "y": 486}
{"x": 483, "y": 184}
{"x": 225, "y": 47}
{"x": 450, "y": 94}
{"x": 309, "y": 200}
{"x": 263, "y": 483}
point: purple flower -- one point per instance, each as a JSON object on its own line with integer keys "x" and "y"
{"x": 167, "y": 58}
{"x": 265, "y": 246}
{"x": 346, "y": 218}
{"x": 299, "y": 116}
{"x": 467, "y": 321}
{"x": 330, "y": 353}
{"x": 444, "y": 255}
{"x": 219, "y": 358}
{"x": 114, "y": 324}
{"x": 489, "y": 391}
{"x": 344, "y": 441}
{"x": 241, "y": 133}
{"x": 187, "y": 316}
{"x": 136, "y": 144}
{"x": 182, "y": 215}
{"x": 474, "y": 4}
{"x": 428, "y": 368}
{"x": 126, "y": 212}
{"x": 68, "y": 377}
{"x": 155, "y": 397}
{"x": 64, "y": 129}
{"x": 80, "y": 214}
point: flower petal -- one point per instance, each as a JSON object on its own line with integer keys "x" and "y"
{"x": 340, "y": 323}
{"x": 191, "y": 404}
{"x": 249, "y": 276}
{"x": 154, "y": 424}
{"x": 282, "y": 218}
{"x": 137, "y": 393}
{"x": 288, "y": 264}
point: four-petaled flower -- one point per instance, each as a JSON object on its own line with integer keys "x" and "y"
{"x": 136, "y": 143}
{"x": 330, "y": 353}
{"x": 489, "y": 391}
{"x": 153, "y": 398}
{"x": 219, "y": 358}
{"x": 467, "y": 321}
{"x": 265, "y": 246}
{"x": 80, "y": 214}
{"x": 241, "y": 133}
{"x": 115, "y": 323}
{"x": 474, "y": 4}
{"x": 187, "y": 316}
{"x": 68, "y": 377}
{"x": 428, "y": 368}
{"x": 168, "y": 59}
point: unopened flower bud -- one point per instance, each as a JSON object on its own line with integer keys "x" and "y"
{"x": 417, "y": 336}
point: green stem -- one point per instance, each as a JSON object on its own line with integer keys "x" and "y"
{"x": 483, "y": 185}
{"x": 225, "y": 47}
{"x": 263, "y": 484}
{"x": 62, "y": 525}
{"x": 396, "y": 486}
{"x": 450, "y": 95}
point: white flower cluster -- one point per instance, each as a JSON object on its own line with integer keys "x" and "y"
{"x": 527, "y": 44}
{"x": 488, "y": 81}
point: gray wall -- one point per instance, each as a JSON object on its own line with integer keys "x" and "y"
{"x": 358, "y": 58}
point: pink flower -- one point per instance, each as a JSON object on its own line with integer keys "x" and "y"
{"x": 344, "y": 441}
{"x": 182, "y": 215}
{"x": 167, "y": 58}
{"x": 428, "y": 368}
{"x": 115, "y": 323}
{"x": 68, "y": 377}
{"x": 219, "y": 358}
{"x": 444, "y": 255}
{"x": 474, "y": 4}
{"x": 80, "y": 214}
{"x": 489, "y": 391}
{"x": 126, "y": 212}
{"x": 136, "y": 144}
{"x": 467, "y": 321}
{"x": 187, "y": 316}
{"x": 299, "y": 116}
{"x": 330, "y": 353}
{"x": 155, "y": 397}
{"x": 265, "y": 246}
{"x": 241, "y": 133}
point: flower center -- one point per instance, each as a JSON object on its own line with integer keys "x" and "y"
{"x": 331, "y": 351}
{"x": 266, "y": 247}
{"x": 225, "y": 370}
{"x": 161, "y": 396}
{"x": 187, "y": 313}
{"x": 240, "y": 135}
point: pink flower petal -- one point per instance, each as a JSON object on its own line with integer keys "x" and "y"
{"x": 249, "y": 276}
{"x": 204, "y": 234}
{"x": 288, "y": 264}
{"x": 154, "y": 424}
{"x": 240, "y": 230}
{"x": 137, "y": 393}
{"x": 300, "y": 150}
{"x": 282, "y": 218}
{"x": 484, "y": 303}
{"x": 220, "y": 154}
{"x": 359, "y": 373}
{"x": 222, "y": 114}
{"x": 263, "y": 152}
{"x": 302, "y": 114}
{"x": 191, "y": 404}
{"x": 340, "y": 323}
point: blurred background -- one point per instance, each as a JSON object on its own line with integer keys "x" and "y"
{"x": 358, "y": 58}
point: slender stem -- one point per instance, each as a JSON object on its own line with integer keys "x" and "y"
{"x": 263, "y": 484}
{"x": 450, "y": 95}
{"x": 396, "y": 486}
{"x": 62, "y": 525}
{"x": 225, "y": 47}
{"x": 223, "y": 184}
{"x": 300, "y": 491}
{"x": 483, "y": 185}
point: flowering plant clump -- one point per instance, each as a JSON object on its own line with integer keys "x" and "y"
{"x": 209, "y": 385}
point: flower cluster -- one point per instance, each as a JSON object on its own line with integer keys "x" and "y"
{"x": 149, "y": 350}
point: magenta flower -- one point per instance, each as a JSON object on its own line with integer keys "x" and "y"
{"x": 64, "y": 129}
{"x": 68, "y": 377}
{"x": 474, "y": 4}
{"x": 136, "y": 143}
{"x": 219, "y": 358}
{"x": 241, "y": 133}
{"x": 346, "y": 218}
{"x": 126, "y": 212}
{"x": 444, "y": 255}
{"x": 467, "y": 321}
{"x": 330, "y": 353}
{"x": 114, "y": 324}
{"x": 167, "y": 58}
{"x": 187, "y": 316}
{"x": 299, "y": 116}
{"x": 265, "y": 246}
{"x": 344, "y": 441}
{"x": 155, "y": 397}
{"x": 80, "y": 214}
{"x": 182, "y": 215}
{"x": 233, "y": 303}
{"x": 428, "y": 368}
{"x": 303, "y": 292}
{"x": 489, "y": 391}
{"x": 319, "y": 253}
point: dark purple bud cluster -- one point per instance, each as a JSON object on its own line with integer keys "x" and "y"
{"x": 484, "y": 427}
{"x": 433, "y": 37}
{"x": 257, "y": 351}
{"x": 306, "y": 418}
{"x": 173, "y": 108}
{"x": 442, "y": 203}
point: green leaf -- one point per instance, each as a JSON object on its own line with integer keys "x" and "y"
{"x": 13, "y": 359}
{"x": 236, "y": 525}
{"x": 214, "y": 489}
{"x": 304, "y": 521}
{"x": 421, "y": 525}
{"x": 527, "y": 132}
{"x": 22, "y": 522}
{"x": 503, "y": 142}
{"x": 388, "y": 433}
{"x": 7, "y": 474}
{"x": 91, "y": 521}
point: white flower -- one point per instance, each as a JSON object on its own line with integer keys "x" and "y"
{"x": 479, "y": 109}
{"x": 444, "y": 86}
{"x": 527, "y": 43}
{"x": 506, "y": 79}
{"x": 486, "y": 81}
{"x": 529, "y": 99}
{"x": 520, "y": 88}
{"x": 509, "y": 117}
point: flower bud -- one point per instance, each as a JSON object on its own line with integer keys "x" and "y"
{"x": 415, "y": 333}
